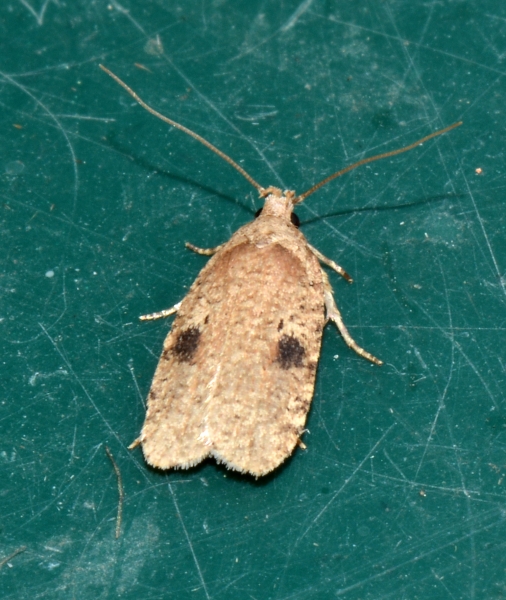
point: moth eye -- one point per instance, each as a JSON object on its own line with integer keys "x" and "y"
{"x": 295, "y": 220}
{"x": 258, "y": 212}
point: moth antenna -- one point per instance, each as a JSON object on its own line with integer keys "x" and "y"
{"x": 191, "y": 133}
{"x": 364, "y": 161}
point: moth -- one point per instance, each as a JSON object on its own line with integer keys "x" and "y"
{"x": 236, "y": 375}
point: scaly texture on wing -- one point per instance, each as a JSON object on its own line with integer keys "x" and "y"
{"x": 236, "y": 376}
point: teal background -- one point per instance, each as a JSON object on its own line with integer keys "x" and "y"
{"x": 401, "y": 492}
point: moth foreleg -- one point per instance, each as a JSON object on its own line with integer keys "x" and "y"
{"x": 205, "y": 251}
{"x": 170, "y": 311}
{"x": 162, "y": 314}
{"x": 333, "y": 314}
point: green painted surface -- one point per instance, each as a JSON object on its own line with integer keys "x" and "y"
{"x": 401, "y": 492}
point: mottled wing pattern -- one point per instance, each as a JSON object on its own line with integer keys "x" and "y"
{"x": 171, "y": 435}
{"x": 264, "y": 391}
{"x": 236, "y": 376}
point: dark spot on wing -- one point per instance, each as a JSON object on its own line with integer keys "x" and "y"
{"x": 290, "y": 352}
{"x": 186, "y": 344}
{"x": 280, "y": 325}
{"x": 301, "y": 405}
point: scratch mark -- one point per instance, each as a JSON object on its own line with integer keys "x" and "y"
{"x": 403, "y": 41}
{"x": 394, "y": 465}
{"x": 415, "y": 559}
{"x": 132, "y": 373}
{"x": 85, "y": 118}
{"x": 195, "y": 560}
{"x": 347, "y": 480}
{"x": 227, "y": 121}
{"x": 487, "y": 241}
{"x": 127, "y": 14}
{"x": 441, "y": 403}
{"x": 86, "y": 393}
{"x": 77, "y": 379}
{"x": 296, "y": 15}
{"x": 205, "y": 99}
{"x": 58, "y": 126}
{"x": 73, "y": 449}
{"x": 449, "y": 336}
{"x": 39, "y": 17}
{"x": 63, "y": 490}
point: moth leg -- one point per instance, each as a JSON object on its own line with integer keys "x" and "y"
{"x": 333, "y": 314}
{"x": 162, "y": 314}
{"x": 301, "y": 444}
{"x": 206, "y": 251}
{"x": 330, "y": 263}
{"x": 170, "y": 311}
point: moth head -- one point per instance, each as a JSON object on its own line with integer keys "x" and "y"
{"x": 278, "y": 204}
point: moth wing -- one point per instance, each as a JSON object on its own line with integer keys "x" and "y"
{"x": 178, "y": 402}
{"x": 271, "y": 330}
{"x": 236, "y": 376}
{"x": 171, "y": 434}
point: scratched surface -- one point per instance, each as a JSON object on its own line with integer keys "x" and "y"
{"x": 401, "y": 492}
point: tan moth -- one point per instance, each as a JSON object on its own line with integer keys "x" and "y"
{"x": 236, "y": 375}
